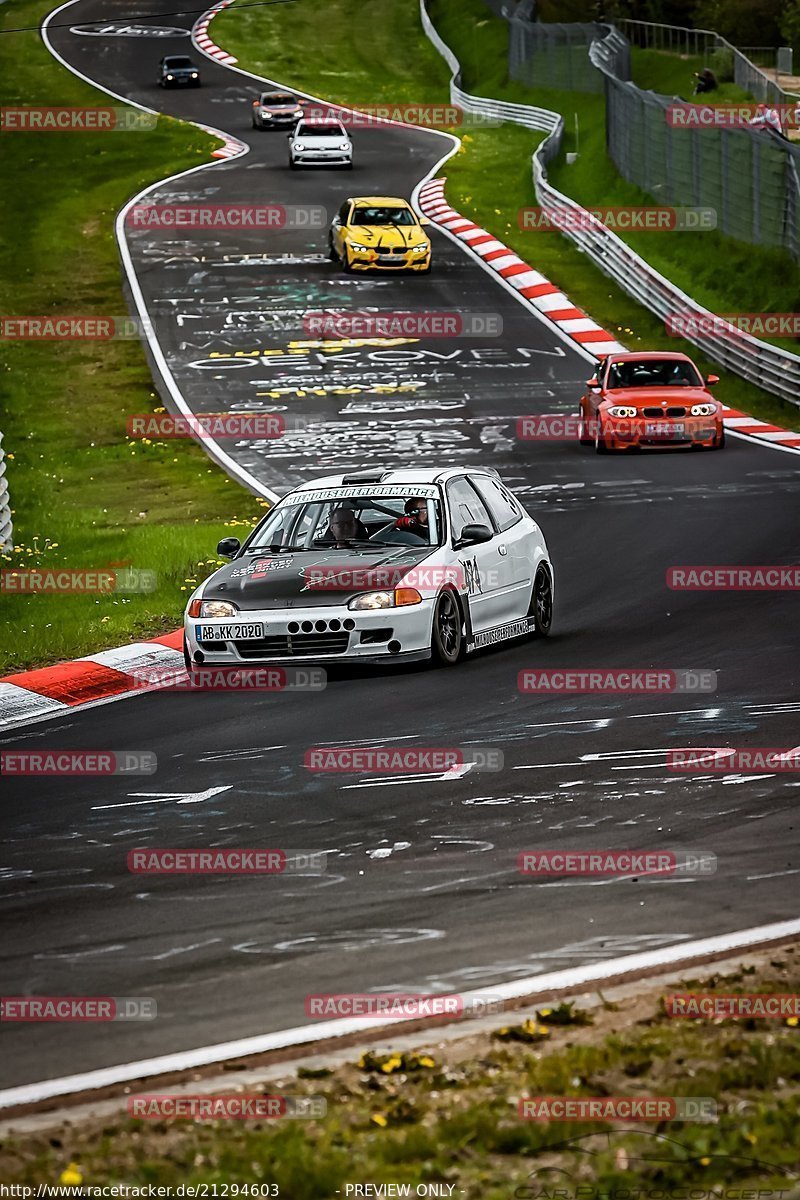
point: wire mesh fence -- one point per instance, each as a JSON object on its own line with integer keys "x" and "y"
{"x": 747, "y": 175}
{"x": 553, "y": 56}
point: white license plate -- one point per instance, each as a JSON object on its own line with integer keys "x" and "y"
{"x": 663, "y": 428}
{"x": 229, "y": 633}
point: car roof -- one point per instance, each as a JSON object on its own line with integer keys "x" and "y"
{"x": 366, "y": 201}
{"x": 649, "y": 356}
{"x": 321, "y": 121}
{"x": 403, "y": 476}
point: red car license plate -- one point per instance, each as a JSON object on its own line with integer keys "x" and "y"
{"x": 663, "y": 428}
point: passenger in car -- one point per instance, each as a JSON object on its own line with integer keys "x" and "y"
{"x": 344, "y": 527}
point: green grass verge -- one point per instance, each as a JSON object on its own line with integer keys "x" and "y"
{"x": 448, "y": 1113}
{"x": 364, "y": 51}
{"x": 399, "y": 64}
{"x": 83, "y": 495}
{"x": 672, "y": 74}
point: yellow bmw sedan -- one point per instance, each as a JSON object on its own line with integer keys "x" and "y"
{"x": 379, "y": 233}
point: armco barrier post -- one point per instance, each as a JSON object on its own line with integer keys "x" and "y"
{"x": 6, "y": 530}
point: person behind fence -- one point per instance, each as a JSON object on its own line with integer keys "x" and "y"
{"x": 706, "y": 81}
{"x": 768, "y": 120}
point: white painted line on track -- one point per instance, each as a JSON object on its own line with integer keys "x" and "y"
{"x": 572, "y": 978}
{"x": 163, "y": 797}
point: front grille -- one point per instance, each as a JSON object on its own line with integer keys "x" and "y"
{"x": 676, "y": 412}
{"x": 653, "y": 412}
{"x": 391, "y": 249}
{"x": 289, "y": 645}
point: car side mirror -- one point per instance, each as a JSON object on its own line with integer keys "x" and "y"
{"x": 593, "y": 384}
{"x": 474, "y": 535}
{"x": 712, "y": 379}
{"x": 229, "y": 547}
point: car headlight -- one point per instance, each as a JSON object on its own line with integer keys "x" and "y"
{"x": 622, "y": 410}
{"x": 194, "y": 74}
{"x": 298, "y": 146}
{"x": 265, "y": 112}
{"x": 345, "y": 146}
{"x": 212, "y": 608}
{"x": 420, "y": 249}
{"x": 703, "y": 410}
{"x": 399, "y": 598}
{"x": 357, "y": 246}
{"x": 169, "y": 77}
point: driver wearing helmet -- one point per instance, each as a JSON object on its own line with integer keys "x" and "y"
{"x": 416, "y": 518}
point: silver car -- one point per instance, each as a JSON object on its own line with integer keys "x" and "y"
{"x": 322, "y": 143}
{"x": 376, "y": 566}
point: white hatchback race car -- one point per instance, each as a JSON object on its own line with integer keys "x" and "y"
{"x": 376, "y": 566}
{"x": 320, "y": 143}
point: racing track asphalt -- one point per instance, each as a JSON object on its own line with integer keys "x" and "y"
{"x": 421, "y": 891}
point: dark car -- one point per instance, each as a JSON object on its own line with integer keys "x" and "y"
{"x": 276, "y": 110}
{"x": 178, "y": 70}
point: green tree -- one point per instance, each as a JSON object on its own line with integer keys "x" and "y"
{"x": 743, "y": 22}
{"x": 790, "y": 25}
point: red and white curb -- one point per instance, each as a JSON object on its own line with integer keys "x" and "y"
{"x": 107, "y": 675}
{"x": 739, "y": 422}
{"x": 557, "y": 307}
{"x": 535, "y": 287}
{"x": 202, "y": 40}
{"x": 231, "y": 147}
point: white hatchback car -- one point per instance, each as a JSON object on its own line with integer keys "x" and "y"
{"x": 376, "y": 566}
{"x": 321, "y": 143}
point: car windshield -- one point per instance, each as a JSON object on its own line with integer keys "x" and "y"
{"x": 174, "y": 64}
{"x": 657, "y": 372}
{"x": 344, "y": 517}
{"x": 383, "y": 216}
{"x": 311, "y": 131}
{"x": 277, "y": 100}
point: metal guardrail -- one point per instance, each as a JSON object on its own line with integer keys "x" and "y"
{"x": 552, "y": 55}
{"x": 775, "y": 370}
{"x": 6, "y": 530}
{"x": 540, "y": 119}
